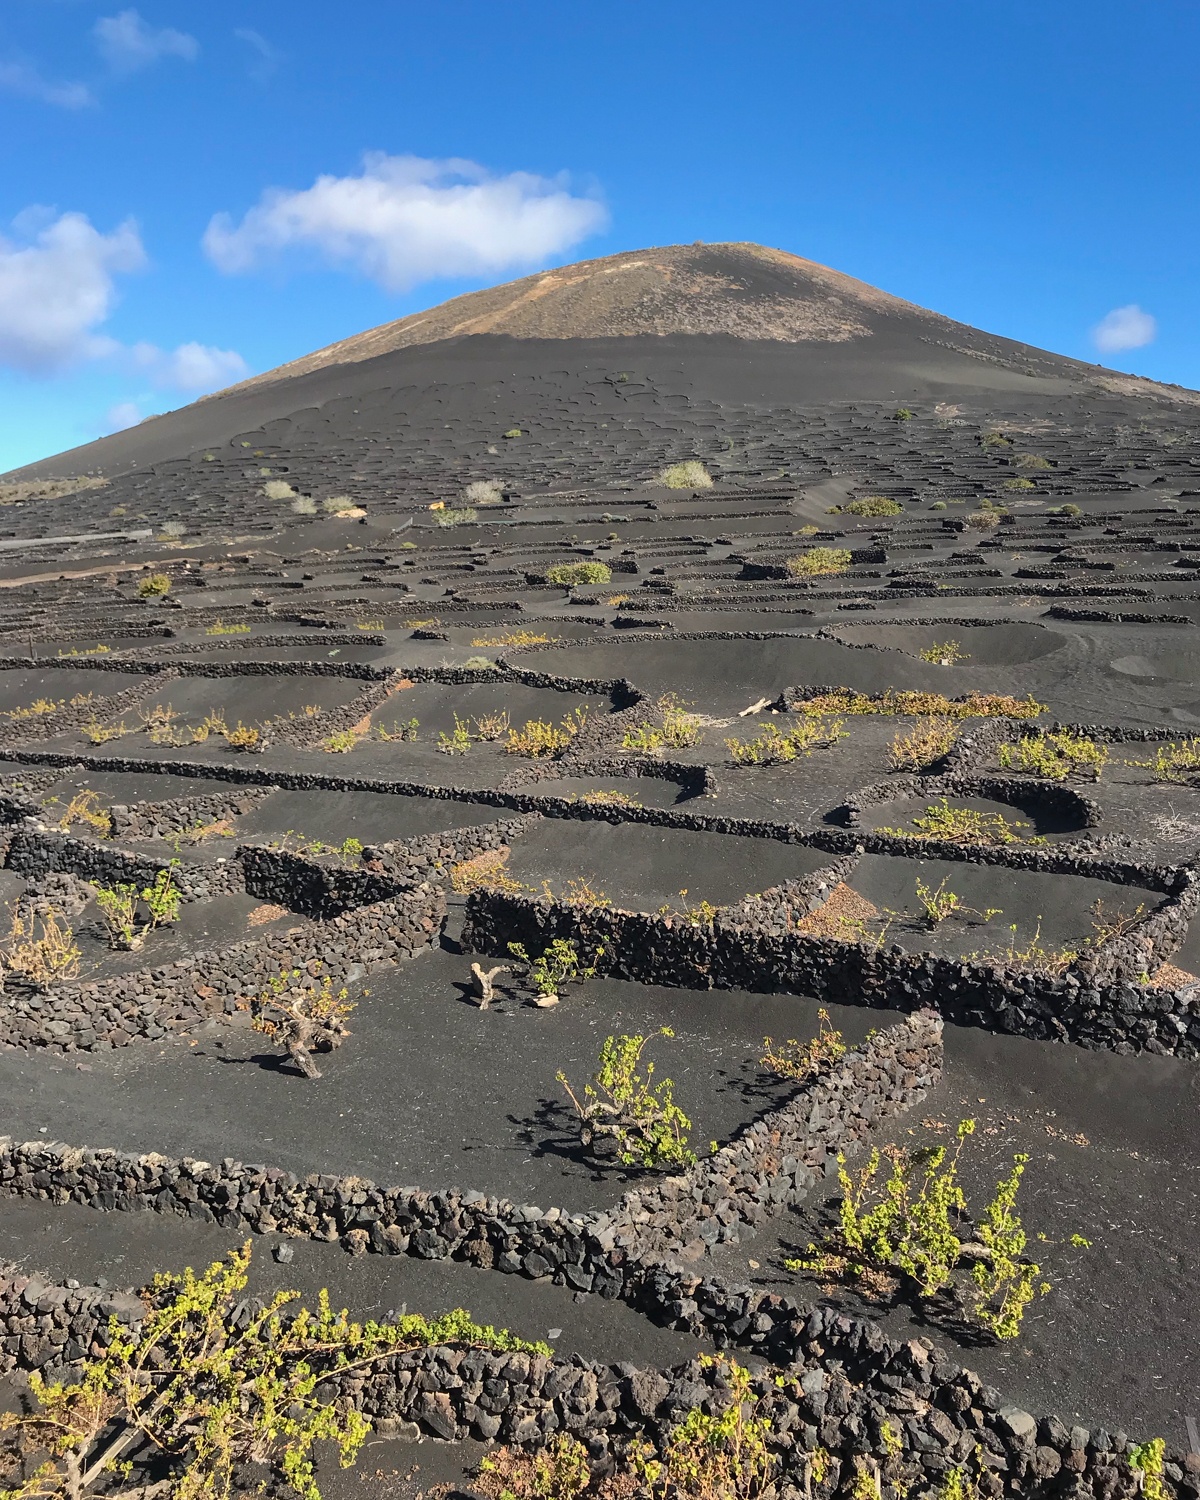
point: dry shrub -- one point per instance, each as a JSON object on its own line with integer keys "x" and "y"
{"x": 485, "y": 872}
{"x": 44, "y": 955}
{"x": 925, "y": 743}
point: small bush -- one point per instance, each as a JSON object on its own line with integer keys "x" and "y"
{"x": 483, "y": 492}
{"x": 1019, "y": 483}
{"x": 84, "y": 807}
{"x": 558, "y": 965}
{"x": 801, "y": 1061}
{"x": 906, "y": 701}
{"x": 301, "y": 1019}
{"x": 242, "y": 737}
{"x": 479, "y": 664}
{"x": 626, "y": 1109}
{"x": 513, "y": 432}
{"x": 1056, "y": 755}
{"x": 1177, "y": 762}
{"x": 922, "y": 746}
{"x": 278, "y": 489}
{"x": 213, "y": 1388}
{"x": 516, "y": 638}
{"x": 463, "y": 516}
{"x": 339, "y": 505}
{"x": 609, "y": 799}
{"x": 458, "y": 741}
{"x": 943, "y": 654}
{"x": 173, "y": 530}
{"x": 938, "y": 505}
{"x": 676, "y": 728}
{"x": 568, "y": 575}
{"x": 303, "y": 505}
{"x": 1033, "y": 461}
{"x": 485, "y": 872}
{"x": 902, "y": 414}
{"x": 41, "y": 948}
{"x": 539, "y": 739}
{"x": 984, "y": 520}
{"x": 818, "y": 562}
{"x": 964, "y": 825}
{"x": 871, "y": 505}
{"x": 910, "y": 1227}
{"x": 773, "y": 746}
{"x": 401, "y": 730}
{"x": 220, "y": 628}
{"x": 154, "y": 586}
{"x": 690, "y": 475}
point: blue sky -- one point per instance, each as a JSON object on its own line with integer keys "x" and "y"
{"x": 192, "y": 192}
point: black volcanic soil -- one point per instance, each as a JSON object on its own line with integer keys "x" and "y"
{"x": 1048, "y": 530}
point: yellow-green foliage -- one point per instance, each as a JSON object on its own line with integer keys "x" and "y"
{"x": 567, "y": 575}
{"x": 869, "y": 505}
{"x": 1056, "y": 755}
{"x": 1018, "y": 483}
{"x": 1179, "y": 761}
{"x": 722, "y": 1454}
{"x": 627, "y": 1106}
{"x": 943, "y": 654}
{"x": 516, "y": 638}
{"x": 210, "y": 1389}
{"x": 923, "y": 745}
{"x": 801, "y": 1061}
{"x": 154, "y": 586}
{"x": 691, "y": 475}
{"x": 676, "y": 728}
{"x": 220, "y": 628}
{"x": 963, "y": 825}
{"x": 906, "y": 701}
{"x": 817, "y": 562}
{"x": 774, "y": 746}
{"x": 910, "y": 1223}
{"x": 539, "y": 739}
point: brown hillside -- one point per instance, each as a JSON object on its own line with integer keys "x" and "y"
{"x": 742, "y": 290}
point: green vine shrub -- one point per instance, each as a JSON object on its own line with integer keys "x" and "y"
{"x": 213, "y": 1391}
{"x": 623, "y": 1111}
{"x": 723, "y": 1454}
{"x": 1056, "y": 755}
{"x": 915, "y": 701}
{"x": 773, "y": 746}
{"x": 912, "y": 1228}
{"x": 558, "y": 964}
{"x": 818, "y": 562}
{"x": 964, "y": 825}
{"x": 567, "y": 575}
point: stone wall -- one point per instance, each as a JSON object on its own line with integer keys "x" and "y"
{"x": 843, "y": 1377}
{"x": 753, "y": 947}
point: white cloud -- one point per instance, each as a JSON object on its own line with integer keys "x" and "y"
{"x": 406, "y": 219}
{"x": 127, "y": 43}
{"x": 1124, "y": 328}
{"x": 192, "y": 368}
{"x": 56, "y": 289}
{"x": 124, "y": 414}
{"x": 24, "y": 79}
